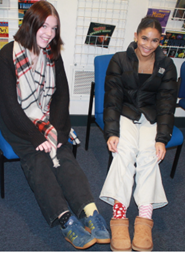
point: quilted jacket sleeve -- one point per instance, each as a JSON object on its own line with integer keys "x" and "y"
{"x": 113, "y": 98}
{"x": 166, "y": 102}
{"x": 11, "y": 112}
{"x": 59, "y": 110}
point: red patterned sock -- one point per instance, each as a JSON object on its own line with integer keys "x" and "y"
{"x": 119, "y": 211}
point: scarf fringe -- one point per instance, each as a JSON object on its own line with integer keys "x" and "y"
{"x": 56, "y": 163}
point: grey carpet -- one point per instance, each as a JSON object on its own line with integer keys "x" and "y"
{"x": 23, "y": 228}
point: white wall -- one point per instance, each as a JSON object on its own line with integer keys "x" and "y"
{"x": 67, "y": 10}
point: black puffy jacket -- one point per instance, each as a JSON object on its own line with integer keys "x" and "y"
{"x": 155, "y": 98}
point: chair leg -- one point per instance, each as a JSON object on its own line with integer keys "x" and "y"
{"x": 74, "y": 150}
{"x": 177, "y": 154}
{"x": 90, "y": 119}
{"x": 2, "y": 173}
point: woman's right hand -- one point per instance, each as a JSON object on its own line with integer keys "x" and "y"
{"x": 112, "y": 143}
{"x": 45, "y": 146}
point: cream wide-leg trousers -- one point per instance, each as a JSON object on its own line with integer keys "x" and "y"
{"x": 136, "y": 145}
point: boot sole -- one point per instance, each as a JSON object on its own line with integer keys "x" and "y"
{"x": 114, "y": 249}
{"x": 87, "y": 245}
{"x": 101, "y": 241}
{"x": 140, "y": 249}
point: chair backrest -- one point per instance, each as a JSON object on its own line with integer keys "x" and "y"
{"x": 101, "y": 63}
{"x": 182, "y": 83}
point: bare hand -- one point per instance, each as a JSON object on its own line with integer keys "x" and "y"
{"x": 112, "y": 143}
{"x": 160, "y": 150}
{"x": 59, "y": 145}
{"x": 45, "y": 146}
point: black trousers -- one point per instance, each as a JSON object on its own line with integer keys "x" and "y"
{"x": 55, "y": 189}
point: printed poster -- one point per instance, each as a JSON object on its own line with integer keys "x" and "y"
{"x": 4, "y": 34}
{"x": 3, "y": 42}
{"x": 161, "y": 15}
{"x": 99, "y": 34}
{"x": 23, "y": 6}
{"x": 173, "y": 44}
{"x": 4, "y": 3}
{"x": 179, "y": 13}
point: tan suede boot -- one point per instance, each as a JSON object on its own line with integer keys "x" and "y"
{"x": 142, "y": 234}
{"x": 120, "y": 240}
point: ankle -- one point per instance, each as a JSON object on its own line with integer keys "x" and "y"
{"x": 145, "y": 211}
{"x": 89, "y": 209}
{"x": 64, "y": 218}
{"x": 119, "y": 211}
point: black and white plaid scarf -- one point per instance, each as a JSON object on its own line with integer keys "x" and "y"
{"x": 35, "y": 89}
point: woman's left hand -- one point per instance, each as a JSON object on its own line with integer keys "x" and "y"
{"x": 160, "y": 150}
{"x": 59, "y": 145}
{"x": 45, "y": 146}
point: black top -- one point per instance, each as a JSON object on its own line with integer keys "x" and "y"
{"x": 143, "y": 77}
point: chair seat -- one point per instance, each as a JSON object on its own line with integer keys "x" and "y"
{"x": 7, "y": 149}
{"x": 8, "y": 152}
{"x": 182, "y": 103}
{"x": 176, "y": 139}
{"x": 99, "y": 120}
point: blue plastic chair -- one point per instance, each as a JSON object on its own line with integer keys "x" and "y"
{"x": 101, "y": 63}
{"x": 8, "y": 155}
{"x": 181, "y": 94}
{"x": 176, "y": 140}
{"x": 97, "y": 89}
{"x": 182, "y": 103}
